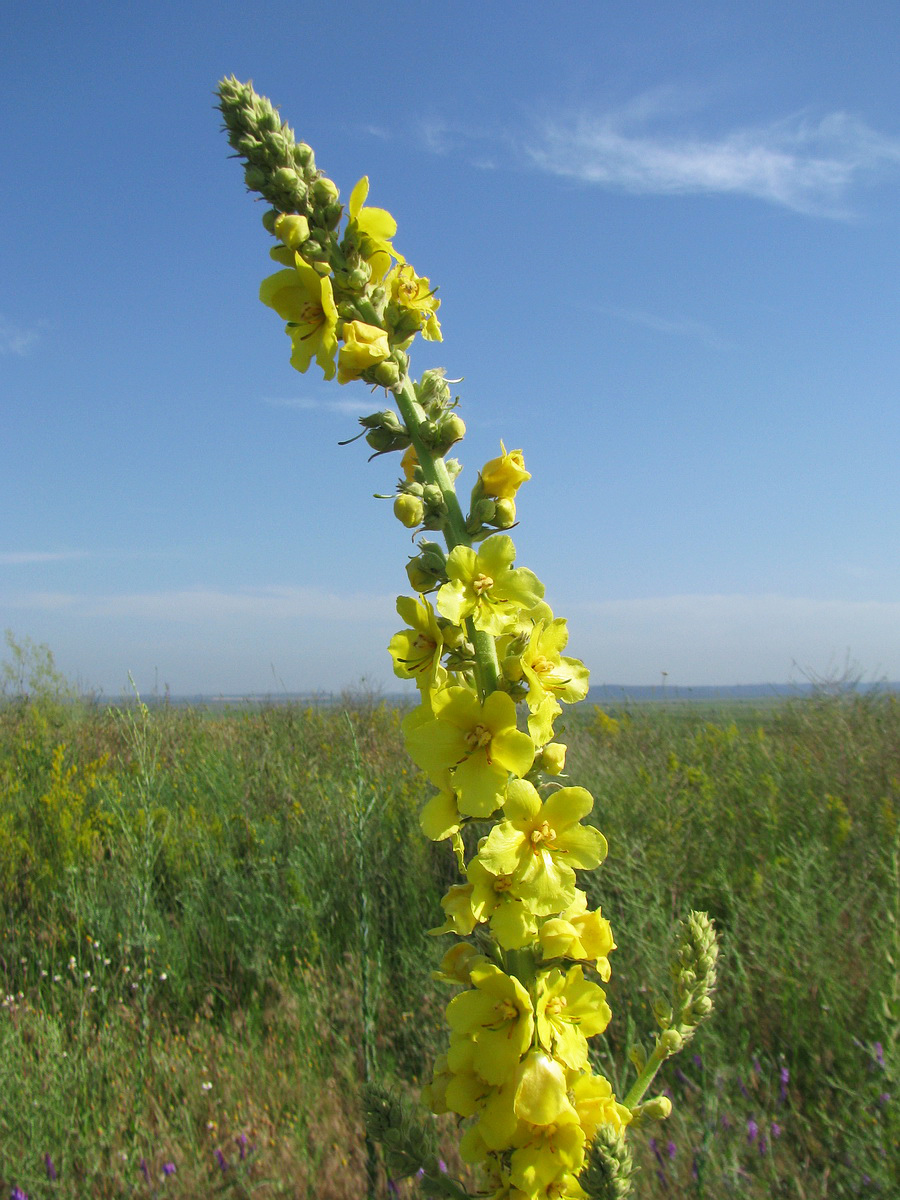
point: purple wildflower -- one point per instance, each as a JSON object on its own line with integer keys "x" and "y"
{"x": 442, "y": 1166}
{"x": 775, "y": 1129}
{"x": 168, "y": 1169}
{"x": 221, "y": 1159}
{"x": 884, "y": 1098}
{"x": 392, "y": 1188}
{"x": 784, "y": 1080}
{"x": 752, "y": 1131}
{"x": 698, "y": 1062}
{"x": 757, "y": 1069}
{"x": 49, "y": 1168}
{"x": 879, "y": 1054}
{"x": 763, "y": 1144}
{"x": 145, "y": 1170}
{"x": 242, "y": 1142}
{"x": 18, "y": 1194}
{"x": 663, "y": 1179}
{"x": 671, "y": 1149}
{"x": 744, "y": 1091}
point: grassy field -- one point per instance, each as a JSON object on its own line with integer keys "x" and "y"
{"x": 214, "y": 926}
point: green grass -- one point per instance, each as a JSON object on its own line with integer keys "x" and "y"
{"x": 182, "y": 905}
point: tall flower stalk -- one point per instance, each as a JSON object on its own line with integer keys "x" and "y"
{"x": 486, "y": 652}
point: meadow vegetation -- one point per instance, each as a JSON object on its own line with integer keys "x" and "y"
{"x": 213, "y": 931}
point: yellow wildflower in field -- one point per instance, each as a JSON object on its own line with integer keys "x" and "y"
{"x": 478, "y": 741}
{"x": 488, "y": 663}
{"x": 485, "y": 586}
{"x": 541, "y": 843}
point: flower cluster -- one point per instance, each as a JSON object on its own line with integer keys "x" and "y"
{"x": 486, "y": 653}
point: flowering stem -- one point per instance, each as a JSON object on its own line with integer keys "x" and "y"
{"x": 487, "y": 669}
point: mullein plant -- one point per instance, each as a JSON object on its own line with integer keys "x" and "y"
{"x": 487, "y": 655}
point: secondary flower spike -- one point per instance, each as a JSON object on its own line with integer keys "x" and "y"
{"x": 485, "y": 652}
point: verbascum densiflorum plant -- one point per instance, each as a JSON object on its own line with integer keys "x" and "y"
{"x": 487, "y": 654}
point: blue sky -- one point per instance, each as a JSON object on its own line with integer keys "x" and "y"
{"x": 666, "y": 243}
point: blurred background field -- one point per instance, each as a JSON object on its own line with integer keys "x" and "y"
{"x": 207, "y": 916}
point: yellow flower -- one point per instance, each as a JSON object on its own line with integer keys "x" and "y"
{"x": 502, "y": 477}
{"x": 305, "y": 300}
{"x": 540, "y": 844}
{"x": 417, "y": 651}
{"x": 478, "y": 741}
{"x": 596, "y": 1105}
{"x": 512, "y": 924}
{"x": 578, "y": 933}
{"x": 413, "y": 293}
{"x": 546, "y": 1153}
{"x": 486, "y": 587}
{"x": 364, "y": 346}
{"x": 374, "y": 228}
{"x": 496, "y": 1014}
{"x": 570, "y": 1010}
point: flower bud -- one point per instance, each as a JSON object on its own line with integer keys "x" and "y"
{"x": 657, "y": 1109}
{"x": 409, "y": 510}
{"x": 269, "y": 218}
{"x": 386, "y": 373}
{"x": 383, "y": 441}
{"x": 483, "y": 511}
{"x": 304, "y": 157}
{"x": 428, "y": 568}
{"x": 671, "y": 1041}
{"x": 553, "y": 758}
{"x": 324, "y": 192}
{"x": 432, "y": 495}
{"x": 292, "y": 229}
{"x": 504, "y": 514}
{"x": 255, "y": 178}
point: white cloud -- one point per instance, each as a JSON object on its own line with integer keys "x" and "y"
{"x": 16, "y": 557}
{"x": 14, "y": 339}
{"x": 721, "y": 639}
{"x": 209, "y": 604}
{"x": 352, "y": 407}
{"x": 804, "y": 163}
{"x": 678, "y": 327}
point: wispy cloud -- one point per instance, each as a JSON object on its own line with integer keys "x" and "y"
{"x": 16, "y": 339}
{"x": 210, "y": 604}
{"x": 677, "y": 327}
{"x": 14, "y": 558}
{"x": 739, "y": 638}
{"x": 806, "y": 163}
{"x": 353, "y": 407}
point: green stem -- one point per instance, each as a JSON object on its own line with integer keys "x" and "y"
{"x": 487, "y": 668}
{"x": 643, "y": 1081}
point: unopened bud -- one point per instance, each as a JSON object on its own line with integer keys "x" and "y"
{"x": 292, "y": 229}
{"x": 432, "y": 495}
{"x": 504, "y": 513}
{"x": 702, "y": 1007}
{"x": 409, "y": 510}
{"x": 553, "y": 758}
{"x": 657, "y": 1109}
{"x": 269, "y": 218}
{"x": 671, "y": 1041}
{"x": 483, "y": 511}
{"x": 304, "y": 157}
{"x": 324, "y": 191}
{"x": 386, "y": 373}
